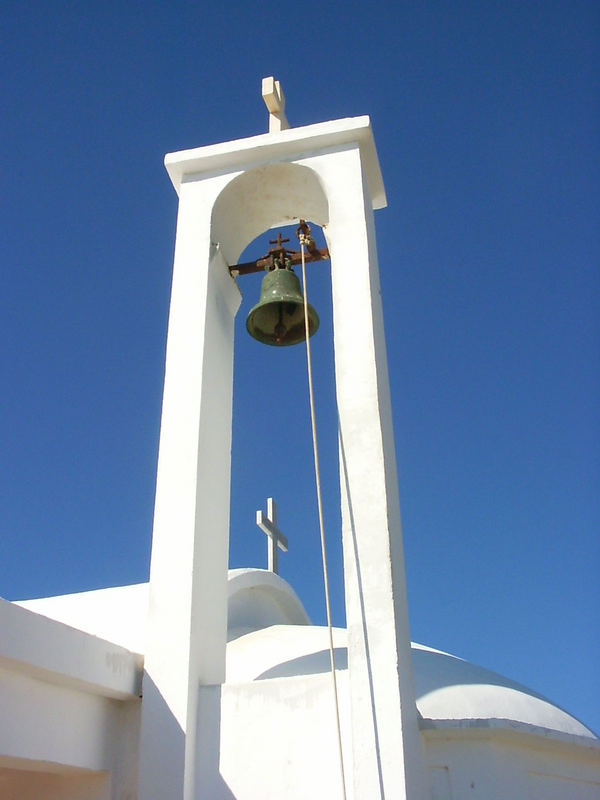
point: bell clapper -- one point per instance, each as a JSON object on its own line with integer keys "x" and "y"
{"x": 280, "y": 329}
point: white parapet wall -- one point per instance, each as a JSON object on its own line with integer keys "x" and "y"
{"x": 70, "y": 711}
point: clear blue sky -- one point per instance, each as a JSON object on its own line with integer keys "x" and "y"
{"x": 486, "y": 121}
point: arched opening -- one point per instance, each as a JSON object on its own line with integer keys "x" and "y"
{"x": 261, "y": 199}
{"x": 272, "y": 445}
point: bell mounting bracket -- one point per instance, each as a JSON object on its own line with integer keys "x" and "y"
{"x": 282, "y": 257}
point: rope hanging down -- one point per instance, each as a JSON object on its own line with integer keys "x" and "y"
{"x": 306, "y": 239}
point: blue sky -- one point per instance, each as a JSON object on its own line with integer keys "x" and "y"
{"x": 486, "y": 121}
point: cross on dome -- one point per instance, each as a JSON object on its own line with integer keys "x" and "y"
{"x": 277, "y": 540}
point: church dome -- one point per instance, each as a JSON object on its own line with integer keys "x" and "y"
{"x": 447, "y": 688}
{"x": 258, "y": 598}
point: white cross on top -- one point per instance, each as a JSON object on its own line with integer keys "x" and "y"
{"x": 275, "y": 101}
{"x": 277, "y": 540}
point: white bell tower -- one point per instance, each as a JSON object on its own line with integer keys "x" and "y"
{"x": 228, "y": 194}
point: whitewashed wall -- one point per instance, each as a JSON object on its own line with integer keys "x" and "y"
{"x": 480, "y": 764}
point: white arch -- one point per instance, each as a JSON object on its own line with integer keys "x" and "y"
{"x": 262, "y": 198}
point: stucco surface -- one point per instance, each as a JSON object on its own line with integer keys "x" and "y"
{"x": 117, "y": 614}
{"x": 271, "y": 637}
{"x": 446, "y": 687}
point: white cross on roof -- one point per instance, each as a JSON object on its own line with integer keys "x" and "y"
{"x": 277, "y": 540}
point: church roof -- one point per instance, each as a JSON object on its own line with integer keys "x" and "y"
{"x": 270, "y": 637}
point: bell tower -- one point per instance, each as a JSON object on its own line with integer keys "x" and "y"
{"x": 230, "y": 193}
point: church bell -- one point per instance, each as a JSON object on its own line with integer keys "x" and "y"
{"x": 278, "y": 317}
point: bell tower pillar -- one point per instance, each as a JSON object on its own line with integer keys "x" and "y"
{"x": 187, "y": 615}
{"x": 387, "y": 749}
{"x": 228, "y": 194}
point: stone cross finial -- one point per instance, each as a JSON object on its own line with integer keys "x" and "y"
{"x": 277, "y": 540}
{"x": 275, "y": 102}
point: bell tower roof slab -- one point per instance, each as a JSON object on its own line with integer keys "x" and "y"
{"x": 283, "y": 145}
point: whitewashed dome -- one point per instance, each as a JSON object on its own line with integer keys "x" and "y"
{"x": 271, "y": 637}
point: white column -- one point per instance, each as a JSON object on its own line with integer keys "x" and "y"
{"x": 187, "y": 618}
{"x": 388, "y": 758}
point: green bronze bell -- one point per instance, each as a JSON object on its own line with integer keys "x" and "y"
{"x": 278, "y": 317}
